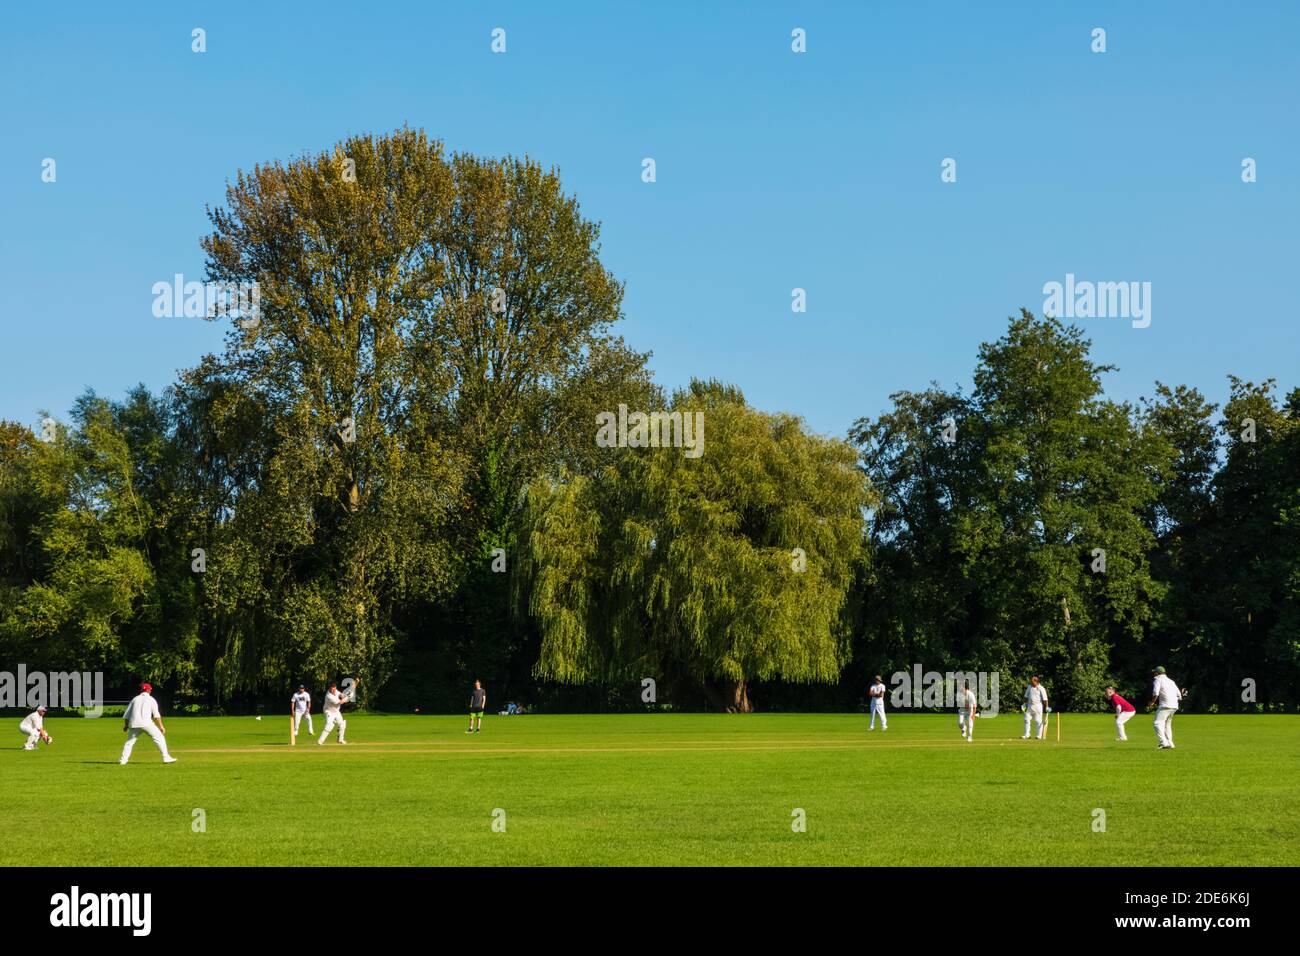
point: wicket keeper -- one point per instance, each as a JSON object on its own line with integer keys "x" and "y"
{"x": 300, "y": 707}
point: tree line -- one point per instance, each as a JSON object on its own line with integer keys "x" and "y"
{"x": 392, "y": 471}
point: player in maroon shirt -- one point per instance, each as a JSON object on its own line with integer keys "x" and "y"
{"x": 1123, "y": 711}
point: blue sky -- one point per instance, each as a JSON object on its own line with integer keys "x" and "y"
{"x": 775, "y": 170}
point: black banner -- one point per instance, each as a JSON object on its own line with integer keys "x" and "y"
{"x": 530, "y": 906}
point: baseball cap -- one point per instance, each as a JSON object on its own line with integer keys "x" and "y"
{"x": 1158, "y": 670}
{"x": 146, "y": 686}
{"x": 302, "y": 686}
{"x": 40, "y": 709}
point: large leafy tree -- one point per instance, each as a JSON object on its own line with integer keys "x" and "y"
{"x": 88, "y": 515}
{"x": 1236, "y": 620}
{"x": 1013, "y": 517}
{"x": 431, "y": 330}
{"x": 702, "y": 572}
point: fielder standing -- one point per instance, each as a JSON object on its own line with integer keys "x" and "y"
{"x": 1165, "y": 697}
{"x": 1123, "y": 712}
{"x": 142, "y": 717}
{"x": 1035, "y": 704}
{"x": 477, "y": 703}
{"x": 333, "y": 714}
{"x": 876, "y": 694}
{"x": 33, "y": 728}
{"x": 300, "y": 707}
{"x": 966, "y": 711}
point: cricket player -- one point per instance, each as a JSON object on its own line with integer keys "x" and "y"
{"x": 966, "y": 711}
{"x": 1035, "y": 705}
{"x": 1123, "y": 712}
{"x": 1165, "y": 697}
{"x": 300, "y": 707}
{"x": 33, "y": 728}
{"x": 876, "y": 694}
{"x": 142, "y": 717}
{"x": 334, "y": 702}
{"x": 477, "y": 701}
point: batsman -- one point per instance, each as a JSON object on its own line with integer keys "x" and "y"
{"x": 334, "y": 702}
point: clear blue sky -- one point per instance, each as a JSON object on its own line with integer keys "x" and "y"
{"x": 775, "y": 170}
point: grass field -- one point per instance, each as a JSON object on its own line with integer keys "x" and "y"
{"x": 657, "y": 789}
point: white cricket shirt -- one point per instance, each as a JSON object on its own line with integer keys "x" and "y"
{"x": 1166, "y": 692}
{"x": 141, "y": 711}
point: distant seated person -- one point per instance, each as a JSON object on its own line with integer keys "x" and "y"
{"x": 512, "y": 708}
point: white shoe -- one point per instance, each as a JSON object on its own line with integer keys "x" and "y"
{"x": 122, "y": 763}
{"x": 342, "y": 741}
{"x": 169, "y": 759}
{"x": 320, "y": 743}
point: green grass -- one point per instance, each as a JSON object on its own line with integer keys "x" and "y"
{"x": 658, "y": 789}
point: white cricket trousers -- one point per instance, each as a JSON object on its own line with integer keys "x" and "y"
{"x": 331, "y": 718}
{"x": 1035, "y": 714}
{"x": 152, "y": 732}
{"x": 878, "y": 708}
{"x": 1165, "y": 725}
{"x": 31, "y": 734}
{"x": 1122, "y": 718}
{"x": 967, "y": 724}
{"x": 297, "y": 721}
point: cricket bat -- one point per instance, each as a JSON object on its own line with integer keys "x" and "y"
{"x": 1058, "y": 728}
{"x": 293, "y": 732}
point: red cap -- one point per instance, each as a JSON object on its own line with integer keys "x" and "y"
{"x": 146, "y": 686}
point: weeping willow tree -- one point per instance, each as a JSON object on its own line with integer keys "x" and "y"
{"x": 703, "y": 566}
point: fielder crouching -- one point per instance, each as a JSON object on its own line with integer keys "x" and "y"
{"x": 1124, "y": 711}
{"x": 33, "y": 728}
